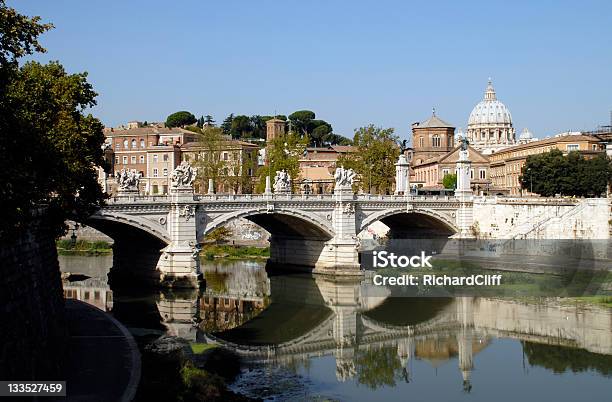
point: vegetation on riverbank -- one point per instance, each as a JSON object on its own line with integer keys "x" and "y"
{"x": 83, "y": 247}
{"x": 212, "y": 251}
{"x": 174, "y": 370}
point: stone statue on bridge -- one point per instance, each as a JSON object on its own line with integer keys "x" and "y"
{"x": 128, "y": 180}
{"x": 344, "y": 178}
{"x": 183, "y": 175}
{"x": 282, "y": 182}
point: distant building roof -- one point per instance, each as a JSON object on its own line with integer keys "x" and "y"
{"x": 434, "y": 122}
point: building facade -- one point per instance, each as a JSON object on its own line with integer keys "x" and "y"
{"x": 232, "y": 164}
{"x": 430, "y": 174}
{"x": 490, "y": 127}
{"x": 431, "y": 138}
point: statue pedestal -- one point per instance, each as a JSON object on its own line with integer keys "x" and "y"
{"x": 179, "y": 265}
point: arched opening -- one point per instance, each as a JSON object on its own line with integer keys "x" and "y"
{"x": 297, "y": 239}
{"x": 416, "y": 310}
{"x": 406, "y": 225}
{"x": 135, "y": 251}
{"x": 296, "y": 312}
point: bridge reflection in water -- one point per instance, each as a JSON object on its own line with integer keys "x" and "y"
{"x": 287, "y": 320}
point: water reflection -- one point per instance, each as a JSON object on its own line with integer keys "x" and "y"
{"x": 353, "y": 341}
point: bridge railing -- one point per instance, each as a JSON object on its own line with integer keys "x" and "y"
{"x": 276, "y": 197}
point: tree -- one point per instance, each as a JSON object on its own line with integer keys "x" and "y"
{"x": 200, "y": 122}
{"x": 450, "y": 181}
{"x": 374, "y": 161}
{"x": 258, "y": 123}
{"x": 180, "y": 119}
{"x": 300, "y": 121}
{"x": 209, "y": 163}
{"x": 282, "y": 153}
{"x": 219, "y": 235}
{"x": 226, "y": 126}
{"x": 241, "y": 127}
{"x": 553, "y": 173}
{"x": 321, "y": 132}
{"x": 208, "y": 120}
{"x": 50, "y": 148}
{"x": 335, "y": 139}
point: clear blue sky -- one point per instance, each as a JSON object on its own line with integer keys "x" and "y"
{"x": 351, "y": 62}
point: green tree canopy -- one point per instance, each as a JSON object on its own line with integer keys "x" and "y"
{"x": 50, "y": 147}
{"x": 300, "y": 121}
{"x": 226, "y": 126}
{"x": 552, "y": 173}
{"x": 374, "y": 161}
{"x": 241, "y": 127}
{"x": 449, "y": 181}
{"x": 180, "y": 119}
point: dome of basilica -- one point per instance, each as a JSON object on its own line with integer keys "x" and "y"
{"x": 489, "y": 110}
{"x": 489, "y": 127}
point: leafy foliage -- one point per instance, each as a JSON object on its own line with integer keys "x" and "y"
{"x": 180, "y": 119}
{"x": 378, "y": 367}
{"x": 450, "y": 181}
{"x": 553, "y": 173}
{"x": 374, "y": 161}
{"x": 283, "y": 153}
{"x": 219, "y": 235}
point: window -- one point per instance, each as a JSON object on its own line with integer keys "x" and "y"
{"x": 250, "y": 172}
{"x": 594, "y": 146}
{"x": 445, "y": 172}
{"x": 142, "y": 144}
{"x": 125, "y": 160}
{"x": 421, "y": 142}
{"x": 155, "y": 189}
{"x": 125, "y": 144}
{"x": 435, "y": 141}
{"x": 155, "y": 158}
{"x": 117, "y": 145}
{"x": 155, "y": 172}
{"x": 472, "y": 174}
{"x": 165, "y": 157}
{"x": 116, "y": 160}
{"x": 133, "y": 143}
{"x": 133, "y": 158}
{"x": 165, "y": 172}
{"x": 225, "y": 156}
{"x": 572, "y": 147}
{"x": 142, "y": 160}
{"x": 482, "y": 173}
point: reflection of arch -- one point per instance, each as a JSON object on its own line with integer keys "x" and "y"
{"x": 418, "y": 310}
{"x": 378, "y": 216}
{"x": 290, "y": 222}
{"x": 101, "y": 218}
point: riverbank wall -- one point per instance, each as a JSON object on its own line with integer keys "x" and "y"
{"x": 32, "y": 329}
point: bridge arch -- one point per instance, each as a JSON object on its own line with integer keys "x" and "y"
{"x": 424, "y": 220}
{"x": 285, "y": 222}
{"x": 136, "y": 249}
{"x": 105, "y": 220}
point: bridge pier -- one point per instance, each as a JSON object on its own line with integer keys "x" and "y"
{"x": 340, "y": 256}
{"x": 179, "y": 263}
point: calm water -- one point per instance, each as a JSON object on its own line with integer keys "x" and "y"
{"x": 304, "y": 337}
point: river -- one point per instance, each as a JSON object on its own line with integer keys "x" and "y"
{"x": 312, "y": 338}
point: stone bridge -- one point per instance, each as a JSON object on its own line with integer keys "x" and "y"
{"x": 318, "y": 232}
{"x": 314, "y": 231}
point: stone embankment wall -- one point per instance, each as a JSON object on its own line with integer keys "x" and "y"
{"x": 32, "y": 325}
{"x": 521, "y": 219}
